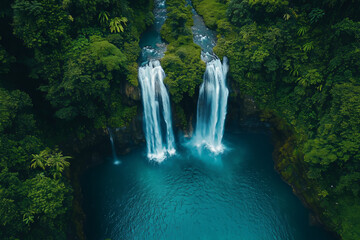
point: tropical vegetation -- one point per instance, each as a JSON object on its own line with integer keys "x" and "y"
{"x": 299, "y": 60}
{"x": 68, "y": 70}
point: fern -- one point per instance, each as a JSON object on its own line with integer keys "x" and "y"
{"x": 302, "y": 30}
{"x": 116, "y": 24}
{"x": 316, "y": 14}
{"x": 308, "y": 46}
{"x": 286, "y": 16}
{"x": 103, "y": 17}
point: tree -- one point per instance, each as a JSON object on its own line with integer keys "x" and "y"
{"x": 90, "y": 70}
{"x": 41, "y": 23}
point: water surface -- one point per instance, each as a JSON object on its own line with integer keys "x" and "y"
{"x": 152, "y": 46}
{"x": 237, "y": 195}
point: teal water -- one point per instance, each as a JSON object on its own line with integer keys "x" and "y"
{"x": 237, "y": 195}
{"x": 152, "y": 46}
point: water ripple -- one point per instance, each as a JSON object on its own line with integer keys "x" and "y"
{"x": 185, "y": 198}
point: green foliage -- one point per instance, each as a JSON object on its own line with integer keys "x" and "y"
{"x": 302, "y": 30}
{"x": 14, "y": 112}
{"x": 304, "y": 65}
{"x": 312, "y": 77}
{"x": 238, "y": 12}
{"x": 82, "y": 68}
{"x": 81, "y": 73}
{"x": 46, "y": 196}
{"x": 103, "y": 17}
{"x": 52, "y": 159}
{"x": 179, "y": 21}
{"x": 180, "y": 117}
{"x": 44, "y": 26}
{"x": 308, "y": 46}
{"x": 349, "y": 27}
{"x": 292, "y": 58}
{"x": 183, "y": 67}
{"x": 182, "y": 63}
{"x": 32, "y": 204}
{"x": 316, "y": 14}
{"x": 211, "y": 10}
{"x": 116, "y": 24}
{"x": 5, "y": 60}
{"x": 85, "y": 12}
{"x": 89, "y": 74}
{"x": 132, "y": 50}
{"x": 41, "y": 23}
{"x": 350, "y": 212}
{"x": 121, "y": 115}
{"x": 270, "y": 5}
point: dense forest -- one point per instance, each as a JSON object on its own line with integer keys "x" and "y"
{"x": 69, "y": 70}
{"x": 299, "y": 60}
{"x": 63, "y": 65}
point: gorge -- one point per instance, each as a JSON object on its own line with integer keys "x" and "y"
{"x": 228, "y": 192}
{"x": 179, "y": 119}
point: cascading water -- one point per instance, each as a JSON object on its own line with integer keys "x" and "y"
{"x": 151, "y": 42}
{"x": 243, "y": 198}
{"x": 211, "y": 109}
{"x": 213, "y": 94}
{"x": 157, "y": 114}
{"x": 116, "y": 159}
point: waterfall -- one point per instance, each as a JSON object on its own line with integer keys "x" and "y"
{"x": 157, "y": 115}
{"x": 116, "y": 159}
{"x": 211, "y": 109}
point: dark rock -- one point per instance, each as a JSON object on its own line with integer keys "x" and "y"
{"x": 132, "y": 92}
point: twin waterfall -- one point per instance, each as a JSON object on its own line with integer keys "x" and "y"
{"x": 212, "y": 102}
{"x": 213, "y": 95}
{"x": 211, "y": 108}
{"x": 157, "y": 114}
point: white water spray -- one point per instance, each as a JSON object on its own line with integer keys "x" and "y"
{"x": 211, "y": 109}
{"x": 116, "y": 159}
{"x": 157, "y": 114}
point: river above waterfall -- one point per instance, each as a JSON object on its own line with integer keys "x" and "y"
{"x": 202, "y": 36}
{"x": 152, "y": 46}
{"x": 236, "y": 195}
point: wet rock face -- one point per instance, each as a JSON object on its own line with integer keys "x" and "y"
{"x": 130, "y": 136}
{"x": 240, "y": 108}
{"x": 190, "y": 127}
{"x": 249, "y": 106}
{"x": 132, "y": 92}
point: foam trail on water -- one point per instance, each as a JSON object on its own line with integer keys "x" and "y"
{"x": 212, "y": 104}
{"x": 157, "y": 114}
